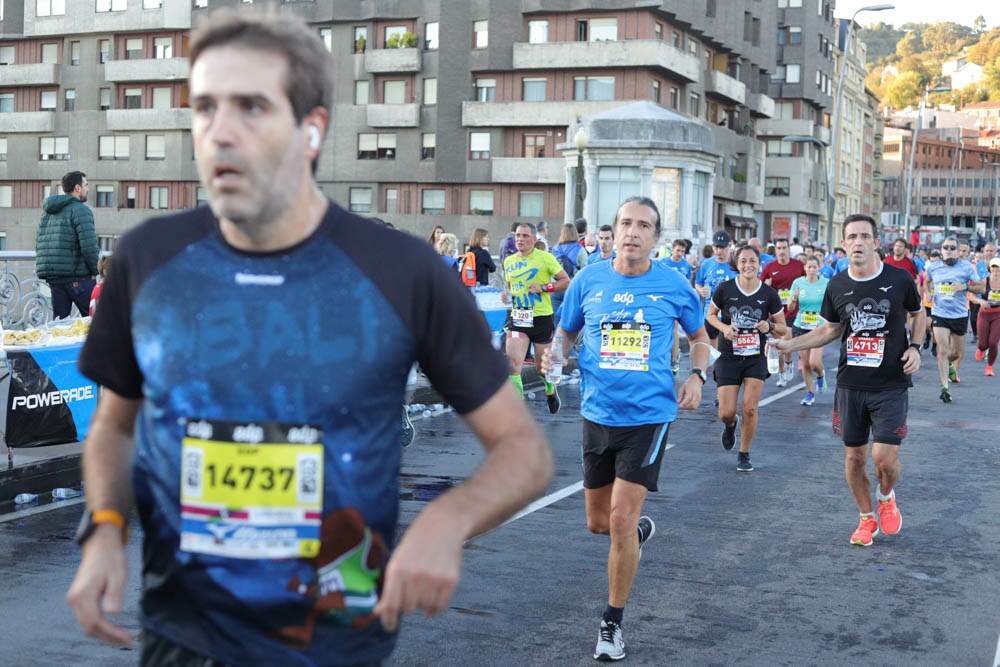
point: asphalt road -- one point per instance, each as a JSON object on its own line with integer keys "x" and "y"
{"x": 745, "y": 568}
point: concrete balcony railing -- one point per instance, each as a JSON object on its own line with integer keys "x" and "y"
{"x": 39, "y": 74}
{"x": 27, "y": 121}
{"x": 626, "y": 53}
{"x": 125, "y": 120}
{"x": 529, "y": 170}
{"x": 721, "y": 85}
{"x": 147, "y": 69}
{"x": 761, "y": 105}
{"x": 392, "y": 60}
{"x": 526, "y": 114}
{"x": 393, "y": 115}
{"x": 782, "y": 127}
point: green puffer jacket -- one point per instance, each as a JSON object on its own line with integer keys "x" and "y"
{"x": 66, "y": 243}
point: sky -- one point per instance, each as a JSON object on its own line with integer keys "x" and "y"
{"x": 923, "y": 11}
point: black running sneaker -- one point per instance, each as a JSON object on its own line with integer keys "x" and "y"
{"x": 406, "y": 432}
{"x": 646, "y": 530}
{"x": 743, "y": 464}
{"x": 729, "y": 435}
{"x": 553, "y": 401}
{"x": 945, "y": 395}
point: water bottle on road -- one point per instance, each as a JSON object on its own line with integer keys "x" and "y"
{"x": 63, "y": 494}
{"x": 25, "y": 498}
{"x": 554, "y": 376}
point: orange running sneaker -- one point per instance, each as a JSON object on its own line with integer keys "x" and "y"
{"x": 867, "y": 529}
{"x": 888, "y": 515}
{"x": 979, "y": 354}
{"x": 989, "y": 371}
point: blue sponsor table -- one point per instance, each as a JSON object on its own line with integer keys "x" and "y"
{"x": 48, "y": 401}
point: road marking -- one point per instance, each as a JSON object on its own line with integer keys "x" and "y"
{"x": 996, "y": 656}
{"x": 790, "y": 390}
{"x": 48, "y": 507}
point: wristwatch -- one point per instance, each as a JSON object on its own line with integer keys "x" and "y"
{"x": 700, "y": 373}
{"x": 93, "y": 518}
{"x": 916, "y": 346}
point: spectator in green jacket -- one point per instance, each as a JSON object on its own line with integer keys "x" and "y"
{"x": 66, "y": 249}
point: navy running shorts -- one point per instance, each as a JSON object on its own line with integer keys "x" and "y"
{"x": 858, "y": 413}
{"x": 632, "y": 453}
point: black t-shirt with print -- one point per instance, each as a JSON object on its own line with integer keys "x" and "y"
{"x": 873, "y": 313}
{"x": 744, "y": 310}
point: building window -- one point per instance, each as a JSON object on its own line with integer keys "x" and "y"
{"x": 603, "y": 30}
{"x": 614, "y": 185}
{"x": 777, "y": 186}
{"x": 130, "y": 195}
{"x": 432, "y": 202}
{"x": 394, "y": 33}
{"x": 361, "y": 200}
{"x": 360, "y": 33}
{"x": 479, "y": 145}
{"x": 6, "y": 196}
{"x": 161, "y": 98}
{"x": 534, "y": 145}
{"x": 793, "y": 73}
{"x": 428, "y": 141}
{"x": 3, "y": 148}
{"x": 53, "y": 148}
{"x": 69, "y": 103}
{"x": 391, "y": 200}
{"x": 794, "y": 34}
{"x": 779, "y": 148}
{"x": 480, "y": 34}
{"x": 658, "y": 32}
{"x": 133, "y": 98}
{"x": 486, "y": 90}
{"x": 74, "y": 53}
{"x": 105, "y": 99}
{"x": 112, "y": 148}
{"x": 361, "y": 92}
{"x": 156, "y": 147}
{"x": 593, "y": 88}
{"x": 675, "y": 97}
{"x": 105, "y": 196}
{"x": 581, "y": 30}
{"x": 481, "y": 202}
{"x": 431, "y": 36}
{"x": 133, "y": 49}
{"x": 372, "y": 146}
{"x": 533, "y": 90}
{"x": 103, "y": 50}
{"x": 430, "y": 92}
{"x": 158, "y": 197}
{"x": 656, "y": 92}
{"x": 50, "y": 7}
{"x": 163, "y": 47}
{"x": 110, "y": 5}
{"x": 710, "y": 8}
{"x": 152, "y": 4}
{"x": 393, "y": 92}
{"x": 694, "y": 104}
{"x": 6, "y": 55}
{"x": 6, "y": 102}
{"x": 50, "y": 54}
{"x": 326, "y": 34}
{"x": 530, "y": 204}
{"x": 48, "y": 100}
{"x": 200, "y": 196}
{"x": 538, "y": 32}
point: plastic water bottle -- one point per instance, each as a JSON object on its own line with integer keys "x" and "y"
{"x": 531, "y": 395}
{"x": 772, "y": 359}
{"x": 25, "y": 498}
{"x": 555, "y": 374}
{"x": 63, "y": 493}
{"x": 427, "y": 413}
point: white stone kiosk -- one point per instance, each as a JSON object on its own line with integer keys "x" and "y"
{"x": 644, "y": 149}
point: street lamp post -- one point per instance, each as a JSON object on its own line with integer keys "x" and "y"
{"x": 806, "y": 139}
{"x": 913, "y": 153}
{"x": 834, "y": 155}
{"x": 580, "y": 141}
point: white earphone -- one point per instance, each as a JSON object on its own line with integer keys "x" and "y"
{"x": 314, "y": 137}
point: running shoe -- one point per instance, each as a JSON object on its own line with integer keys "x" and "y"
{"x": 867, "y": 529}
{"x": 743, "y": 463}
{"x": 945, "y": 395}
{"x": 646, "y": 530}
{"x": 821, "y": 383}
{"x": 406, "y": 432}
{"x": 675, "y": 367}
{"x": 782, "y": 382}
{"x": 809, "y": 399}
{"x": 979, "y": 354}
{"x": 729, "y": 435}
{"x": 610, "y": 643}
{"x": 553, "y": 401}
{"x": 989, "y": 371}
{"x": 952, "y": 373}
{"x": 889, "y": 517}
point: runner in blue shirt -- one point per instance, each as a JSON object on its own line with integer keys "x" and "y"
{"x": 679, "y": 263}
{"x": 807, "y": 297}
{"x": 713, "y": 272}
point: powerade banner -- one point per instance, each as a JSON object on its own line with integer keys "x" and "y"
{"x": 50, "y": 402}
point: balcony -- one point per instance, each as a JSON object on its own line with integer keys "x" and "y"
{"x": 589, "y": 55}
{"x": 528, "y": 114}
{"x": 529, "y": 170}
{"x": 147, "y": 69}
{"x": 39, "y": 74}
{"x": 782, "y": 127}
{"x": 761, "y": 105}
{"x": 393, "y": 115}
{"x": 722, "y": 86}
{"x": 27, "y": 121}
{"x": 379, "y": 61}
{"x": 128, "y": 120}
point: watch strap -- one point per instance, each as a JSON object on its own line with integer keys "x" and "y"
{"x": 109, "y": 516}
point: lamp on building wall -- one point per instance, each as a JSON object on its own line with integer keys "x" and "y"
{"x": 834, "y": 155}
{"x": 806, "y": 139}
{"x": 580, "y": 141}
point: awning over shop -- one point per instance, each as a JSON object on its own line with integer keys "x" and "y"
{"x": 740, "y": 221}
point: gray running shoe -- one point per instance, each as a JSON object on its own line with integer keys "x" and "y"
{"x": 610, "y": 643}
{"x": 743, "y": 464}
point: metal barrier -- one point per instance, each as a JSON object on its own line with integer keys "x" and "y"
{"x": 24, "y": 297}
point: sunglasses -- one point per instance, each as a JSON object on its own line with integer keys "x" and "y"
{"x": 949, "y": 247}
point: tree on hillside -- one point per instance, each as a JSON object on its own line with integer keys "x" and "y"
{"x": 905, "y": 89}
{"x": 991, "y": 78}
{"x": 980, "y": 24}
{"x": 945, "y": 38}
{"x": 986, "y": 49}
{"x": 909, "y": 45}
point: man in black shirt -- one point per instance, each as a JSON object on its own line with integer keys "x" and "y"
{"x": 867, "y": 307}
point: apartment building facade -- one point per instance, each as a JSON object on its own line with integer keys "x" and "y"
{"x": 450, "y": 113}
